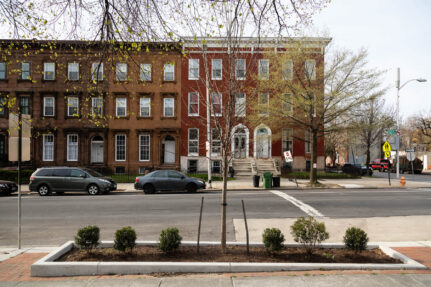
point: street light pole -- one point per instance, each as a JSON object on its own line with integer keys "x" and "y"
{"x": 397, "y": 85}
{"x": 207, "y": 91}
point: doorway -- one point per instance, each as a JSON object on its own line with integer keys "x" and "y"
{"x": 168, "y": 150}
{"x": 97, "y": 149}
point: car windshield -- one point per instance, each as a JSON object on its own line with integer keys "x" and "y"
{"x": 92, "y": 172}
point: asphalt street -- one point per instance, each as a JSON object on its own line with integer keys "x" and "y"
{"x": 48, "y": 221}
{"x": 409, "y": 177}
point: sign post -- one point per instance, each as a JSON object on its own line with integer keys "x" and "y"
{"x": 288, "y": 156}
{"x": 387, "y": 150}
{"x": 411, "y": 157}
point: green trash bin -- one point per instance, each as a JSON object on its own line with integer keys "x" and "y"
{"x": 267, "y": 179}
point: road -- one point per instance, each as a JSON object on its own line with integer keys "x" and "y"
{"x": 408, "y": 176}
{"x": 55, "y": 219}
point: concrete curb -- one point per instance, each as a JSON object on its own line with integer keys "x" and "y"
{"x": 47, "y": 267}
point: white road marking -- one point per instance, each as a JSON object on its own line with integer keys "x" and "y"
{"x": 301, "y": 205}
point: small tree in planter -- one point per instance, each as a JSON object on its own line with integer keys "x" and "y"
{"x": 125, "y": 239}
{"x": 88, "y": 237}
{"x": 309, "y": 232}
{"x": 355, "y": 239}
{"x": 273, "y": 240}
{"x": 169, "y": 240}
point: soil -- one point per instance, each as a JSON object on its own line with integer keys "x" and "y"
{"x": 233, "y": 254}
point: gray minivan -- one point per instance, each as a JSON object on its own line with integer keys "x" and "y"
{"x": 61, "y": 179}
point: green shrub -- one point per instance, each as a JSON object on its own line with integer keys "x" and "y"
{"x": 125, "y": 239}
{"x": 273, "y": 239}
{"x": 309, "y": 232}
{"x": 12, "y": 175}
{"x": 169, "y": 240}
{"x": 88, "y": 237}
{"x": 355, "y": 239}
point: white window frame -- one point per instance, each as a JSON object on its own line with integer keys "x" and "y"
{"x": 145, "y": 70}
{"x": 74, "y": 145}
{"x": 23, "y": 72}
{"x": 3, "y": 70}
{"x": 212, "y": 105}
{"x": 142, "y": 105}
{"x": 287, "y": 70}
{"x": 287, "y": 104}
{"x": 165, "y": 106}
{"x": 116, "y": 147}
{"x": 213, "y": 69}
{"x": 193, "y": 103}
{"x": 46, "y": 145}
{"x": 97, "y": 76}
{"x": 307, "y": 64}
{"x": 120, "y": 71}
{"x": 196, "y": 141}
{"x": 240, "y": 111}
{"x": 141, "y": 145}
{"x": 215, "y": 140}
{"x": 263, "y": 69}
{"x": 167, "y": 67}
{"x": 193, "y": 69}
{"x": 45, "y": 106}
{"x": 70, "y": 104}
{"x": 120, "y": 102}
{"x": 72, "y": 67}
{"x": 260, "y": 105}
{"x": 237, "y": 62}
{"x": 93, "y": 106}
{"x": 307, "y": 141}
{"x": 287, "y": 136}
{"x": 47, "y": 66}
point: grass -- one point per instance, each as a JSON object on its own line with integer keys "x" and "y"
{"x": 320, "y": 175}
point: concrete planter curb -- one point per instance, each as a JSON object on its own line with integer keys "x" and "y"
{"x": 47, "y": 267}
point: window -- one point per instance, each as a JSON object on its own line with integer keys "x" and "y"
{"x": 307, "y": 141}
{"x": 73, "y": 71}
{"x": 169, "y": 72}
{"x": 144, "y": 147}
{"x": 310, "y": 69}
{"x": 25, "y": 71}
{"x": 216, "y": 69}
{"x": 216, "y": 99}
{"x": 121, "y": 107}
{"x": 72, "y": 106}
{"x": 168, "y": 107}
{"x": 2, "y": 71}
{"x": 145, "y": 74}
{"x": 215, "y": 140}
{"x": 142, "y": 170}
{"x": 97, "y": 106}
{"x": 121, "y": 72}
{"x": 263, "y": 69}
{"x": 120, "y": 147}
{"x": 3, "y": 106}
{"x": 120, "y": 170}
{"x": 193, "y": 141}
{"x": 192, "y": 166}
{"x": 48, "y": 106}
{"x": 287, "y": 70}
{"x": 145, "y": 107}
{"x": 287, "y": 105}
{"x": 263, "y": 104}
{"x": 193, "y": 69}
{"x": 193, "y": 104}
{"x": 72, "y": 147}
{"x": 49, "y": 71}
{"x": 77, "y": 173}
{"x": 216, "y": 166}
{"x": 25, "y": 105}
{"x": 48, "y": 148}
{"x": 287, "y": 140}
{"x": 240, "y": 69}
{"x": 240, "y": 105}
{"x": 97, "y": 71}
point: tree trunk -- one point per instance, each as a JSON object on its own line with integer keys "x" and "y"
{"x": 313, "y": 167}
{"x": 368, "y": 158}
{"x": 223, "y": 202}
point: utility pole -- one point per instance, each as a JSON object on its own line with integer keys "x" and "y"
{"x": 208, "y": 144}
{"x": 19, "y": 171}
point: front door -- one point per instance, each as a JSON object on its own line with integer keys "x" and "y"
{"x": 239, "y": 146}
{"x": 97, "y": 152}
{"x": 169, "y": 151}
{"x": 262, "y": 144}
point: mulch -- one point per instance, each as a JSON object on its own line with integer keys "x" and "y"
{"x": 233, "y": 254}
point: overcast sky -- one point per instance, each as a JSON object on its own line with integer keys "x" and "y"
{"x": 396, "y": 34}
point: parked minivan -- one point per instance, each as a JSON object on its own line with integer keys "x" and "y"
{"x": 46, "y": 180}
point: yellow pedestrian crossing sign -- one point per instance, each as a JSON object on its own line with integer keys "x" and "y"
{"x": 387, "y": 154}
{"x": 386, "y": 147}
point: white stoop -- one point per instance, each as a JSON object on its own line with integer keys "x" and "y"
{"x": 267, "y": 165}
{"x": 242, "y": 167}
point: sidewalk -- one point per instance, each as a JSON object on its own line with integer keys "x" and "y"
{"x": 15, "y": 271}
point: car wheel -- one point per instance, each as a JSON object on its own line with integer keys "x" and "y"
{"x": 191, "y": 187}
{"x": 148, "y": 189}
{"x": 43, "y": 190}
{"x": 93, "y": 189}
